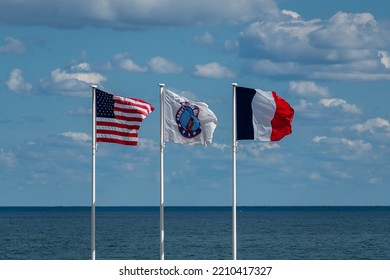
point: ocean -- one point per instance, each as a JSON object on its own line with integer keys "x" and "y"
{"x": 196, "y": 233}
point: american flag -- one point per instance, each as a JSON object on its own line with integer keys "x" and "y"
{"x": 118, "y": 118}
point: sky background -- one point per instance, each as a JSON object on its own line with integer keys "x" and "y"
{"x": 330, "y": 61}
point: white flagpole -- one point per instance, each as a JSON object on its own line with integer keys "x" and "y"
{"x": 234, "y": 167}
{"x": 162, "y": 147}
{"x": 93, "y": 172}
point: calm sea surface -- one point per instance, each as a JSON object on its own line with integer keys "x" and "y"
{"x": 191, "y": 233}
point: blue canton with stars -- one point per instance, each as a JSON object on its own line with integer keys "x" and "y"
{"x": 104, "y": 104}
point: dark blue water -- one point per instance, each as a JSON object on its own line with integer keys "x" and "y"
{"x": 191, "y": 233}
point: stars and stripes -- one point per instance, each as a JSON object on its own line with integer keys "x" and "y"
{"x": 118, "y": 118}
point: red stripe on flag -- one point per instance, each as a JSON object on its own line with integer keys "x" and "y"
{"x": 130, "y": 111}
{"x": 118, "y": 133}
{"x": 117, "y": 141}
{"x": 134, "y": 102}
{"x": 131, "y": 119}
{"x": 282, "y": 120}
{"x": 118, "y": 125}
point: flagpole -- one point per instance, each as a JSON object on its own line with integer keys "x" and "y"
{"x": 234, "y": 183}
{"x": 93, "y": 253}
{"x": 162, "y": 147}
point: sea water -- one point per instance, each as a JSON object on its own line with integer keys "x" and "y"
{"x": 194, "y": 233}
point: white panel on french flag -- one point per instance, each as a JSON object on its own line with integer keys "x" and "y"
{"x": 262, "y": 115}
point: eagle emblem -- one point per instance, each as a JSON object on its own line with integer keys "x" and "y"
{"x": 187, "y": 120}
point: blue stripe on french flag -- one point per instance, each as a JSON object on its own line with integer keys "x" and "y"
{"x": 262, "y": 115}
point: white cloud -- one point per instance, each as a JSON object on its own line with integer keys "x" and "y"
{"x": 372, "y": 125}
{"x": 206, "y": 38}
{"x": 336, "y": 102}
{"x": 7, "y": 158}
{"x": 315, "y": 176}
{"x": 348, "y": 74}
{"x": 349, "y": 31}
{"x": 292, "y": 14}
{"x": 267, "y": 67}
{"x": 12, "y": 45}
{"x": 162, "y": 65}
{"x": 231, "y": 45}
{"x": 343, "y": 148}
{"x": 128, "y": 166}
{"x": 81, "y": 67}
{"x": 218, "y": 146}
{"x": 374, "y": 181}
{"x": 256, "y": 149}
{"x": 281, "y": 40}
{"x": 76, "y": 80}
{"x": 81, "y": 111}
{"x": 385, "y": 59}
{"x": 124, "y": 14}
{"x": 355, "y": 71}
{"x": 213, "y": 70}
{"x": 149, "y": 145}
{"x": 59, "y": 75}
{"x": 345, "y": 47}
{"x": 129, "y": 65}
{"x": 77, "y": 136}
{"x": 307, "y": 89}
{"x": 318, "y": 139}
{"x": 16, "y": 82}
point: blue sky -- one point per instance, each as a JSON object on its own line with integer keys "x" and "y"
{"x": 331, "y": 63}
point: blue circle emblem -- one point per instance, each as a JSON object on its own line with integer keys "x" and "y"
{"x": 187, "y": 120}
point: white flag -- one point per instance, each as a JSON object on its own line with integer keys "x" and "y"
{"x": 186, "y": 121}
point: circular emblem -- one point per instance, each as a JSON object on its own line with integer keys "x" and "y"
{"x": 187, "y": 120}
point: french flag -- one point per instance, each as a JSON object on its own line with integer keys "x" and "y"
{"x": 262, "y": 115}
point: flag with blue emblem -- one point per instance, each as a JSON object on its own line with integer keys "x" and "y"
{"x": 186, "y": 121}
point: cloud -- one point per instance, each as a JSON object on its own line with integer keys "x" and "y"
{"x": 342, "y": 148}
{"x": 256, "y": 150}
{"x": 315, "y": 176}
{"x": 318, "y": 139}
{"x": 292, "y": 14}
{"x": 129, "y": 65}
{"x": 372, "y": 125}
{"x": 128, "y": 166}
{"x": 77, "y": 136}
{"x": 385, "y": 59}
{"x": 307, "y": 89}
{"x": 280, "y": 40}
{"x": 81, "y": 111}
{"x": 7, "y": 158}
{"x": 123, "y": 14}
{"x": 212, "y": 70}
{"x": 75, "y": 80}
{"x": 12, "y": 45}
{"x": 320, "y": 110}
{"x": 206, "y": 38}
{"x": 59, "y": 75}
{"x": 147, "y": 144}
{"x": 344, "y": 47}
{"x": 16, "y": 82}
{"x": 337, "y": 102}
{"x": 218, "y": 146}
{"x": 164, "y": 66}
{"x": 155, "y": 64}
{"x": 349, "y": 31}
{"x": 353, "y": 71}
{"x": 374, "y": 181}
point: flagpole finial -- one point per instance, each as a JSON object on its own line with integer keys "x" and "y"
{"x": 94, "y": 86}
{"x": 234, "y": 84}
{"x": 161, "y": 85}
